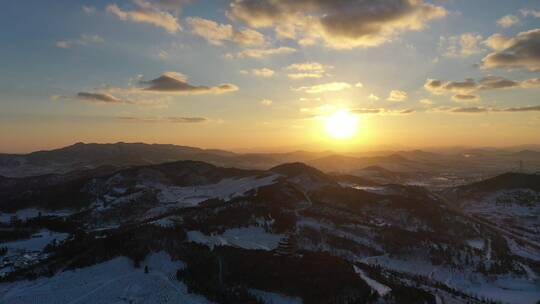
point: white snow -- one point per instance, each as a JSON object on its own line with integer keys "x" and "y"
{"x": 381, "y": 289}
{"x": 476, "y": 243}
{"x": 522, "y": 250}
{"x": 505, "y": 288}
{"x": 37, "y": 242}
{"x": 114, "y": 281}
{"x": 226, "y": 189}
{"x": 247, "y": 238}
{"x": 376, "y": 190}
{"x": 517, "y": 211}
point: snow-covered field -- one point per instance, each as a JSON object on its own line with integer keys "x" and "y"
{"x": 29, "y": 213}
{"x": 114, "y": 281}
{"x": 516, "y": 210}
{"x": 247, "y": 238}
{"x": 37, "y": 242}
{"x": 171, "y": 197}
{"x": 506, "y": 288}
{"x": 226, "y": 189}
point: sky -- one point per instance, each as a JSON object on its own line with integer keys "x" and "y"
{"x": 267, "y": 74}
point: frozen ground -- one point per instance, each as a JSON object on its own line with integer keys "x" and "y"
{"x": 114, "y": 281}
{"x": 247, "y": 238}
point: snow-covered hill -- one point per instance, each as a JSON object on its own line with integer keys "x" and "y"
{"x": 247, "y": 236}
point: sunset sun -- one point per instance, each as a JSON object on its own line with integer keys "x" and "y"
{"x": 341, "y": 125}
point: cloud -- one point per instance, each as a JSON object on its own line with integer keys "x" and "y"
{"x": 162, "y": 54}
{"x": 468, "y": 86}
{"x": 339, "y": 24}
{"x": 426, "y": 101}
{"x": 264, "y": 72}
{"x": 495, "y": 82}
{"x": 383, "y": 111}
{"x": 326, "y": 109}
{"x": 155, "y": 13}
{"x": 439, "y": 87}
{"x": 465, "y": 98}
{"x": 373, "y": 97}
{"x": 530, "y": 12}
{"x": 307, "y": 70}
{"x": 397, "y": 95}
{"x": 531, "y": 83}
{"x": 266, "y": 102}
{"x": 216, "y": 33}
{"x": 508, "y": 21}
{"x": 170, "y": 119}
{"x": 325, "y": 87}
{"x": 89, "y": 10}
{"x": 465, "y": 45}
{"x": 470, "y": 110}
{"x": 522, "y": 109}
{"x": 260, "y": 53}
{"x": 174, "y": 82}
{"x": 84, "y": 40}
{"x": 359, "y": 85}
{"x": 519, "y": 52}
{"x": 479, "y": 110}
{"x": 101, "y": 98}
{"x": 106, "y": 98}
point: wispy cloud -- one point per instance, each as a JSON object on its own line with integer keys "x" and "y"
{"x": 168, "y": 119}
{"x": 508, "y": 21}
{"x": 307, "y": 70}
{"x": 154, "y": 13}
{"x": 464, "y": 45}
{"x": 83, "y": 40}
{"x": 217, "y": 34}
{"x": 480, "y": 110}
{"x": 266, "y": 102}
{"x": 105, "y": 98}
{"x": 260, "y": 53}
{"x": 397, "y": 96}
{"x": 263, "y": 72}
{"x": 325, "y": 87}
{"x": 89, "y": 10}
{"x": 383, "y": 111}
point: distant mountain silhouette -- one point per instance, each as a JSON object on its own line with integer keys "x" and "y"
{"x": 505, "y": 181}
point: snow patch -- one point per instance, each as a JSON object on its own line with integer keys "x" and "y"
{"x": 114, "y": 281}
{"x": 226, "y": 189}
{"x": 247, "y": 238}
{"x": 36, "y": 242}
{"x": 381, "y": 289}
{"x": 476, "y": 243}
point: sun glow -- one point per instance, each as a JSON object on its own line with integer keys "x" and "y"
{"x": 341, "y": 124}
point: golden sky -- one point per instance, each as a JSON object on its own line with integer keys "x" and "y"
{"x": 270, "y": 74}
